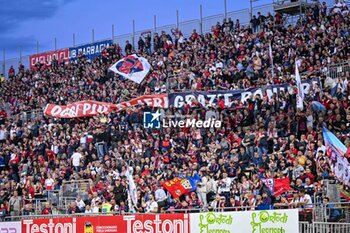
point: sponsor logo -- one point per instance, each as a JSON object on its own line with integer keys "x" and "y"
{"x": 50, "y": 227}
{"x": 212, "y": 222}
{"x": 263, "y": 217}
{"x": 153, "y": 120}
{"x": 8, "y": 230}
{"x": 157, "y": 225}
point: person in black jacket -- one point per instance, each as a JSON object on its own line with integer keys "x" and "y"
{"x": 244, "y": 158}
{"x": 141, "y": 44}
{"x": 119, "y": 191}
{"x": 128, "y": 47}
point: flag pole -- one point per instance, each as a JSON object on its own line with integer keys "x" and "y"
{"x": 271, "y": 60}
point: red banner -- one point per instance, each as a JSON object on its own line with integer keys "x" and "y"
{"x": 281, "y": 185}
{"x": 93, "y": 108}
{"x": 60, "y": 55}
{"x": 177, "y": 186}
{"x": 172, "y": 223}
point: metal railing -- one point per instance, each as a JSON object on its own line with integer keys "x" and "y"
{"x": 71, "y": 189}
{"x": 338, "y": 70}
{"x": 323, "y": 227}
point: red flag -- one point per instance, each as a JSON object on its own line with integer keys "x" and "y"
{"x": 281, "y": 185}
{"x": 177, "y": 186}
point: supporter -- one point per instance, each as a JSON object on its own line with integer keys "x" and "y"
{"x": 47, "y": 209}
{"x": 151, "y": 206}
{"x": 334, "y": 214}
{"x": 80, "y": 204}
{"x": 261, "y": 137}
{"x": 15, "y": 204}
{"x": 218, "y": 203}
{"x": 202, "y": 189}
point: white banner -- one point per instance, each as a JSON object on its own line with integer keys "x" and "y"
{"x": 281, "y": 221}
{"x": 132, "y": 67}
{"x": 10, "y": 227}
{"x": 341, "y": 169}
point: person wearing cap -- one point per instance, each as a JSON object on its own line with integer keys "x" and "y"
{"x": 194, "y": 202}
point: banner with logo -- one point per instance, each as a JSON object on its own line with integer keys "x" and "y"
{"x": 90, "y": 108}
{"x": 10, "y": 227}
{"x": 182, "y": 185}
{"x": 89, "y": 51}
{"x": 206, "y": 98}
{"x": 112, "y": 224}
{"x": 177, "y": 186}
{"x": 336, "y": 151}
{"x": 277, "y": 186}
{"x": 132, "y": 67}
{"x": 47, "y": 57}
{"x": 285, "y": 221}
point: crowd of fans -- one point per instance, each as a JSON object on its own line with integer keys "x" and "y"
{"x": 262, "y": 137}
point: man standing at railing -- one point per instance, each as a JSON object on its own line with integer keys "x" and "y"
{"x": 305, "y": 202}
{"x": 15, "y": 204}
{"x": 333, "y": 214}
{"x": 160, "y": 197}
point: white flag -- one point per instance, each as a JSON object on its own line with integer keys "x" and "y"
{"x": 132, "y": 186}
{"x": 300, "y": 93}
{"x": 132, "y": 67}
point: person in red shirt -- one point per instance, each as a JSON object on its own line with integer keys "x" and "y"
{"x": 194, "y": 201}
{"x": 50, "y": 156}
{"x": 194, "y": 35}
{"x": 3, "y": 116}
{"x": 92, "y": 189}
{"x": 47, "y": 210}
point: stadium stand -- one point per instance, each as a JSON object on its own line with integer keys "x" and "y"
{"x": 71, "y": 166}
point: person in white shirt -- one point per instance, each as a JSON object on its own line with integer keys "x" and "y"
{"x": 151, "y": 205}
{"x": 88, "y": 209}
{"x": 76, "y": 157}
{"x": 3, "y": 134}
{"x": 225, "y": 186}
{"x": 338, "y": 5}
{"x": 49, "y": 182}
{"x": 305, "y": 200}
{"x": 320, "y": 147}
{"x": 80, "y": 203}
{"x": 160, "y": 197}
{"x": 202, "y": 189}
